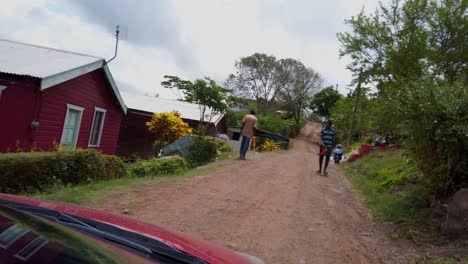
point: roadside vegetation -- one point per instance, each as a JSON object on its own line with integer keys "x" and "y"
{"x": 408, "y": 59}
{"x": 103, "y": 190}
{"x": 390, "y": 185}
{"x": 27, "y": 172}
{"x": 75, "y": 175}
{"x": 430, "y": 259}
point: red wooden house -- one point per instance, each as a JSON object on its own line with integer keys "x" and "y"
{"x": 50, "y": 96}
{"x": 135, "y": 139}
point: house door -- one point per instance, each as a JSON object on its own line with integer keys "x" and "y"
{"x": 71, "y": 127}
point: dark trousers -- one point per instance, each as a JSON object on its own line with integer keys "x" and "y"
{"x": 244, "y": 146}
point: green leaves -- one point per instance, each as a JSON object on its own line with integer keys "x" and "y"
{"x": 35, "y": 171}
{"x": 403, "y": 41}
{"x": 324, "y": 100}
{"x": 204, "y": 92}
{"x": 300, "y": 83}
{"x": 158, "y": 167}
{"x": 415, "y": 53}
{"x": 258, "y": 76}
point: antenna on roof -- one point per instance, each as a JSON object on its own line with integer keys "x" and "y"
{"x": 117, "y": 32}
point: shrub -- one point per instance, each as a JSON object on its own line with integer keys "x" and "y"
{"x": 33, "y": 171}
{"x": 270, "y": 145}
{"x": 155, "y": 167}
{"x": 169, "y": 126}
{"x": 202, "y": 151}
{"x": 277, "y": 125}
{"x": 272, "y": 123}
{"x": 221, "y": 144}
{"x": 436, "y": 117}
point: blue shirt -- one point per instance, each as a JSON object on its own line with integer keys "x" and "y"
{"x": 327, "y": 136}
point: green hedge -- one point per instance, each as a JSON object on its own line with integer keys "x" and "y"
{"x": 202, "y": 151}
{"x": 221, "y": 144}
{"x": 155, "y": 167}
{"x": 278, "y": 125}
{"x": 35, "y": 171}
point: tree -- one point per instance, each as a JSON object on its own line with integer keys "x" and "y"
{"x": 168, "y": 126}
{"x": 204, "y": 92}
{"x": 448, "y": 37}
{"x": 324, "y": 100}
{"x": 415, "y": 53}
{"x": 258, "y": 76}
{"x": 342, "y": 112}
{"x": 302, "y": 83}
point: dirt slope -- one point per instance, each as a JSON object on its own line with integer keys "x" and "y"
{"x": 272, "y": 206}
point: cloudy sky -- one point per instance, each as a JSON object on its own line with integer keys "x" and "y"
{"x": 188, "y": 38}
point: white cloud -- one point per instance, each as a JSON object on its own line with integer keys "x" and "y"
{"x": 204, "y": 38}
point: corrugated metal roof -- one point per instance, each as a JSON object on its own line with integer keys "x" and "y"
{"x": 36, "y": 61}
{"x": 159, "y": 105}
{"x": 52, "y": 66}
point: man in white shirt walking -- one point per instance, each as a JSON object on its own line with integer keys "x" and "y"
{"x": 249, "y": 125}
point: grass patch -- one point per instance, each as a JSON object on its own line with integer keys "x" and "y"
{"x": 101, "y": 190}
{"x": 429, "y": 259}
{"x": 227, "y": 155}
{"x": 391, "y": 188}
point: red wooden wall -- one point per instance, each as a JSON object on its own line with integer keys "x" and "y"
{"x": 17, "y": 104}
{"x": 49, "y": 108}
{"x": 135, "y": 139}
{"x": 87, "y": 91}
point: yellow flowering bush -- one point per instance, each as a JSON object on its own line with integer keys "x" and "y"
{"x": 169, "y": 126}
{"x": 269, "y": 145}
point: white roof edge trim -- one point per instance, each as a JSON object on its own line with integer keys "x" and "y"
{"x": 55, "y": 79}
{"x": 221, "y": 115}
{"x": 114, "y": 88}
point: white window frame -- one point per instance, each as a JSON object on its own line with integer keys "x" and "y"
{"x": 77, "y": 108}
{"x": 101, "y": 126}
{"x": 38, "y": 243}
{"x": 21, "y": 232}
{"x": 2, "y": 87}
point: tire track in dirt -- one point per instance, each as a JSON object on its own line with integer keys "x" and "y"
{"x": 272, "y": 206}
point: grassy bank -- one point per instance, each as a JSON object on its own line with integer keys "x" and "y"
{"x": 101, "y": 190}
{"x": 391, "y": 188}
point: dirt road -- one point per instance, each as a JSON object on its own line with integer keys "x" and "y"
{"x": 272, "y": 206}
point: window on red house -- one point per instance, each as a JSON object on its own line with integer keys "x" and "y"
{"x": 97, "y": 127}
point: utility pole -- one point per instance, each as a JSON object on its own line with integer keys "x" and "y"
{"x": 356, "y": 103}
{"x": 117, "y": 32}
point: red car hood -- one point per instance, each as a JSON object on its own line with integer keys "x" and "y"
{"x": 194, "y": 246}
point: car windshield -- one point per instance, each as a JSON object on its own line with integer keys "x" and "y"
{"x": 25, "y": 237}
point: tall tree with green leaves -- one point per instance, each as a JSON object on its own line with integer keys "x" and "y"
{"x": 414, "y": 52}
{"x": 324, "y": 100}
{"x": 448, "y": 38}
{"x": 259, "y": 77}
{"x": 204, "y": 92}
{"x": 302, "y": 83}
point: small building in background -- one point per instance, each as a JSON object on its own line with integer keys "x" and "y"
{"x": 135, "y": 139}
{"x": 237, "y": 107}
{"x": 51, "y": 97}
